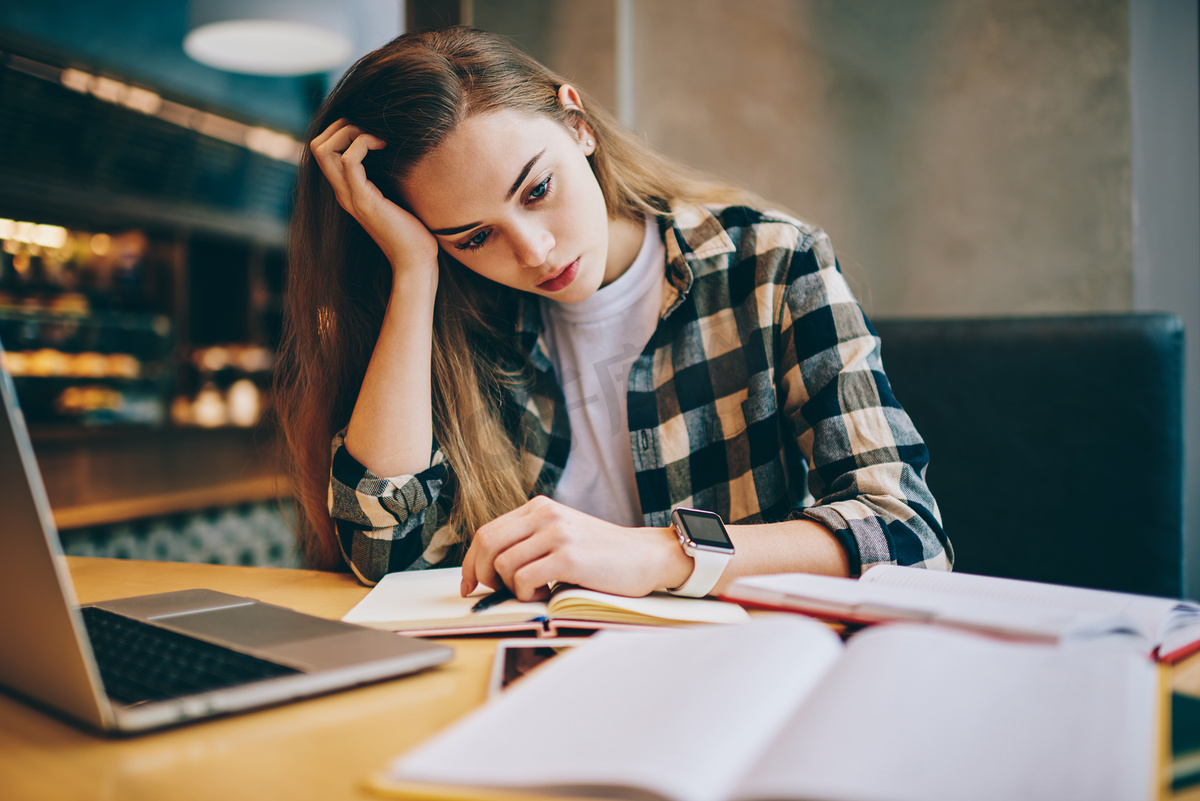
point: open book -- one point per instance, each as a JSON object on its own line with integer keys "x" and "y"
{"x": 778, "y": 708}
{"x": 1170, "y": 629}
{"x": 427, "y": 603}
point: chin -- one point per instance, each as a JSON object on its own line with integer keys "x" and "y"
{"x": 583, "y": 287}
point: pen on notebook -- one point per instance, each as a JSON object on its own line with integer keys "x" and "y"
{"x": 488, "y": 601}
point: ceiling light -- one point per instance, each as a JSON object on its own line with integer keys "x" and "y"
{"x": 269, "y": 37}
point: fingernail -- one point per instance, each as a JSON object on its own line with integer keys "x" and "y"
{"x": 465, "y": 588}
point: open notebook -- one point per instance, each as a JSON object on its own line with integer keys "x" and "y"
{"x": 779, "y": 709}
{"x": 1168, "y": 628}
{"x": 427, "y": 603}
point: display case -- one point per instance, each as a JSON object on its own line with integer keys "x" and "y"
{"x": 98, "y": 368}
{"x": 85, "y": 323}
{"x": 138, "y": 326}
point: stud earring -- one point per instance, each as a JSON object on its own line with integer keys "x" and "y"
{"x": 590, "y": 143}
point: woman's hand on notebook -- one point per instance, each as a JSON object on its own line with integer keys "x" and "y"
{"x": 543, "y": 542}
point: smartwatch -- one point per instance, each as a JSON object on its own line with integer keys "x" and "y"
{"x": 703, "y": 537}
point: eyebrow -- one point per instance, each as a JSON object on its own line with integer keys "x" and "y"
{"x": 512, "y": 191}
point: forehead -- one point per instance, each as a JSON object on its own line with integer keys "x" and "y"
{"x": 474, "y": 168}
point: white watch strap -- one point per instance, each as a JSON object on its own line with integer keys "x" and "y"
{"x": 705, "y": 575}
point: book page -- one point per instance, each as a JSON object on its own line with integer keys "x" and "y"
{"x": 926, "y": 713}
{"x": 660, "y": 608}
{"x": 678, "y": 713}
{"x": 865, "y": 601}
{"x": 429, "y": 599}
{"x": 1148, "y": 612}
{"x": 1180, "y": 633}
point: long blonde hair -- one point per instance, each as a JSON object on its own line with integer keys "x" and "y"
{"x": 412, "y": 93}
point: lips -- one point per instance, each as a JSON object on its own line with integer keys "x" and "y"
{"x": 560, "y": 279}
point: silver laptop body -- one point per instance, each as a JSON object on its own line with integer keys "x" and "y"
{"x": 46, "y": 656}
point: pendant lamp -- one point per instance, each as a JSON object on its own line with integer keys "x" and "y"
{"x": 269, "y": 37}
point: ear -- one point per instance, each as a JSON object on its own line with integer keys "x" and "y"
{"x": 568, "y": 96}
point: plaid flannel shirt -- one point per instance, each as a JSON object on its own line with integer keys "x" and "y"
{"x": 760, "y": 396}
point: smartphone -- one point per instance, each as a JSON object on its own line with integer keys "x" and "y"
{"x": 516, "y": 657}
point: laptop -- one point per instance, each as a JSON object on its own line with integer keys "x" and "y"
{"x": 137, "y": 664}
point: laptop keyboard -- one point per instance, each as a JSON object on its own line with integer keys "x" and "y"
{"x": 140, "y": 662}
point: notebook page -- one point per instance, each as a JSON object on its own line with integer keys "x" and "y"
{"x": 677, "y": 712}
{"x": 431, "y": 598}
{"x": 960, "y": 716}
{"x": 580, "y": 604}
{"x": 1146, "y": 611}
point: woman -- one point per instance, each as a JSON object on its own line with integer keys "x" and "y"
{"x": 529, "y": 337}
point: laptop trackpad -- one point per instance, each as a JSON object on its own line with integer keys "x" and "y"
{"x": 255, "y": 625}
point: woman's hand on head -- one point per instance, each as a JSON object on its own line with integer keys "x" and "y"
{"x": 339, "y": 152}
{"x": 543, "y": 542}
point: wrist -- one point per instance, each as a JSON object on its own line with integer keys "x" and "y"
{"x": 675, "y": 566}
{"x": 703, "y": 538}
{"x": 413, "y": 281}
{"x": 410, "y": 307}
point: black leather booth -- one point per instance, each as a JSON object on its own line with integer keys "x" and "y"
{"x": 1056, "y": 443}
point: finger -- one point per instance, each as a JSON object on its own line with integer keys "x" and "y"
{"x": 341, "y": 140}
{"x": 471, "y": 577}
{"x": 482, "y": 571}
{"x": 324, "y": 136}
{"x": 328, "y": 147}
{"x": 328, "y": 155}
{"x": 344, "y": 170}
{"x": 355, "y": 174}
{"x": 352, "y": 167}
{"x": 373, "y": 142}
{"x": 510, "y": 562}
{"x": 540, "y": 594}
{"x": 469, "y": 581}
{"x": 532, "y": 581}
{"x": 492, "y": 539}
{"x": 330, "y": 144}
{"x": 337, "y": 137}
{"x": 477, "y": 569}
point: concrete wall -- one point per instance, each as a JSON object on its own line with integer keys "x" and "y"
{"x": 966, "y": 157}
{"x": 576, "y": 39}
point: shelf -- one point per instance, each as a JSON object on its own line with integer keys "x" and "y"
{"x": 101, "y": 478}
{"x": 152, "y": 322}
{"x": 101, "y": 513}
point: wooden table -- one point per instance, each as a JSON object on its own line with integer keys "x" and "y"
{"x": 321, "y": 748}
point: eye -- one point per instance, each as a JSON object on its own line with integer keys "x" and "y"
{"x": 475, "y": 242}
{"x": 541, "y": 190}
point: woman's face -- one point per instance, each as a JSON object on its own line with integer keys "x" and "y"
{"x": 512, "y": 197}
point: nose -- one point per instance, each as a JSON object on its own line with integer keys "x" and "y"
{"x": 532, "y": 245}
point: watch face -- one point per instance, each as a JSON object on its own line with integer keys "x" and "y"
{"x": 704, "y": 528}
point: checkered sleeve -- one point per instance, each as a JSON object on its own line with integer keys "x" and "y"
{"x": 386, "y": 525}
{"x": 867, "y": 461}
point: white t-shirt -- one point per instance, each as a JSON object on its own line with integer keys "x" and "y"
{"x": 593, "y": 344}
